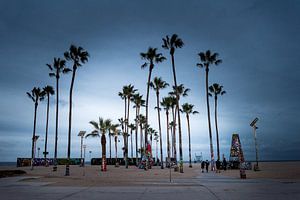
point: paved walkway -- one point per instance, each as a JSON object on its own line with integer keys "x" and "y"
{"x": 205, "y": 187}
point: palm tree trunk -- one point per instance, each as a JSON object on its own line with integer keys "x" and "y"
{"x": 174, "y": 135}
{"x": 33, "y": 134}
{"x": 189, "y": 132}
{"x": 46, "y": 137}
{"x": 159, "y": 129}
{"x": 126, "y": 127}
{"x": 70, "y": 123}
{"x": 103, "y": 144}
{"x": 131, "y": 144}
{"x": 56, "y": 124}
{"x": 136, "y": 136}
{"x": 168, "y": 137}
{"x": 109, "y": 146}
{"x": 217, "y": 131}
{"x": 147, "y": 102}
{"x": 209, "y": 123}
{"x": 116, "y": 150}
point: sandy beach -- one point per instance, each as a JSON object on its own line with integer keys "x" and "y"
{"x": 120, "y": 176}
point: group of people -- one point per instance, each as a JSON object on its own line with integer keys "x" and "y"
{"x": 205, "y": 164}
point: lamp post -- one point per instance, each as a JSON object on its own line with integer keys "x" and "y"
{"x": 253, "y": 125}
{"x": 84, "y": 147}
{"x": 81, "y": 134}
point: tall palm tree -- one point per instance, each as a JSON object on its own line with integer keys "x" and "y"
{"x": 78, "y": 56}
{"x": 132, "y": 128}
{"x": 157, "y": 84}
{"x": 171, "y": 44}
{"x": 207, "y": 59}
{"x": 166, "y": 103}
{"x": 142, "y": 123}
{"x": 216, "y": 89}
{"x": 188, "y": 110}
{"x": 138, "y": 102}
{"x": 173, "y": 127}
{"x": 48, "y": 90}
{"x": 58, "y": 67}
{"x": 151, "y": 57}
{"x": 36, "y": 95}
{"x": 177, "y": 92}
{"x": 101, "y": 128}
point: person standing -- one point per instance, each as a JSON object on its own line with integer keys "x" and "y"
{"x": 224, "y": 164}
{"x": 218, "y": 165}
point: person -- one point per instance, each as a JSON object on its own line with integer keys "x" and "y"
{"x": 224, "y": 164}
{"x": 202, "y": 166}
{"x": 218, "y": 165}
{"x": 206, "y": 165}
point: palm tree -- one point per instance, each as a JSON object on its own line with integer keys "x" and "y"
{"x": 157, "y": 85}
{"x": 166, "y": 103}
{"x": 36, "y": 95}
{"x": 101, "y": 128}
{"x": 138, "y": 102}
{"x": 111, "y": 133}
{"x": 132, "y": 128}
{"x": 142, "y": 123}
{"x": 48, "y": 90}
{"x": 216, "y": 90}
{"x": 207, "y": 59}
{"x": 152, "y": 57}
{"x": 188, "y": 110}
{"x": 56, "y": 69}
{"x": 171, "y": 44}
{"x": 178, "y": 92}
{"x": 78, "y": 56}
{"x": 116, "y": 132}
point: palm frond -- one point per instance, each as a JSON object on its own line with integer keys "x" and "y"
{"x": 95, "y": 124}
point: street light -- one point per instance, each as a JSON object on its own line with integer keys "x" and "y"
{"x": 81, "y": 134}
{"x": 253, "y": 125}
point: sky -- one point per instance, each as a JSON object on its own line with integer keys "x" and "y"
{"x": 258, "y": 42}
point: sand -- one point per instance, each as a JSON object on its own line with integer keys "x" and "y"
{"x": 120, "y": 176}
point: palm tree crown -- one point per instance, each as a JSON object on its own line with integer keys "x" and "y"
{"x": 188, "y": 109}
{"x": 36, "y": 95}
{"x": 172, "y": 43}
{"x": 158, "y": 84}
{"x": 78, "y": 55}
{"x": 208, "y": 59}
{"x": 152, "y": 57}
{"x": 216, "y": 89}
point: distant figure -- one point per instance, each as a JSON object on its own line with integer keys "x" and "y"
{"x": 202, "y": 166}
{"x": 224, "y": 164}
{"x": 206, "y": 165}
{"x": 218, "y": 165}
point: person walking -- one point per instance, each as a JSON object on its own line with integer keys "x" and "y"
{"x": 206, "y": 165}
{"x": 218, "y": 165}
{"x": 202, "y": 166}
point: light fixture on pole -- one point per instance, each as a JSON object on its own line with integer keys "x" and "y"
{"x": 253, "y": 125}
{"x": 81, "y": 134}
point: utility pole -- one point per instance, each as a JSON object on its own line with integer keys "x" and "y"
{"x": 81, "y": 135}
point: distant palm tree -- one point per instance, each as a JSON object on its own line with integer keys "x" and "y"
{"x": 132, "y": 128}
{"x": 36, "y": 95}
{"x": 178, "y": 92}
{"x": 171, "y": 44}
{"x": 116, "y": 132}
{"x": 101, "y": 128}
{"x": 142, "y": 123}
{"x": 48, "y": 90}
{"x": 138, "y": 102}
{"x": 78, "y": 56}
{"x": 152, "y": 132}
{"x": 166, "y": 103}
{"x": 157, "y": 84}
{"x": 216, "y": 89}
{"x": 152, "y": 57}
{"x": 172, "y": 125}
{"x": 207, "y": 59}
{"x": 58, "y": 67}
{"x": 188, "y": 109}
{"x": 111, "y": 133}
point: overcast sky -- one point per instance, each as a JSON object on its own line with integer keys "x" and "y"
{"x": 258, "y": 42}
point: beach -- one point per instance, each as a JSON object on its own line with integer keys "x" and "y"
{"x": 276, "y": 180}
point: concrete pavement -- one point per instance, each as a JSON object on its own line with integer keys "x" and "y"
{"x": 205, "y": 187}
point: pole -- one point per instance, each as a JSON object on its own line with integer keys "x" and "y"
{"x": 256, "y": 168}
{"x": 81, "y": 163}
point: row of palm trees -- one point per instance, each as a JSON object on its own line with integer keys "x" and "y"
{"x": 78, "y": 56}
